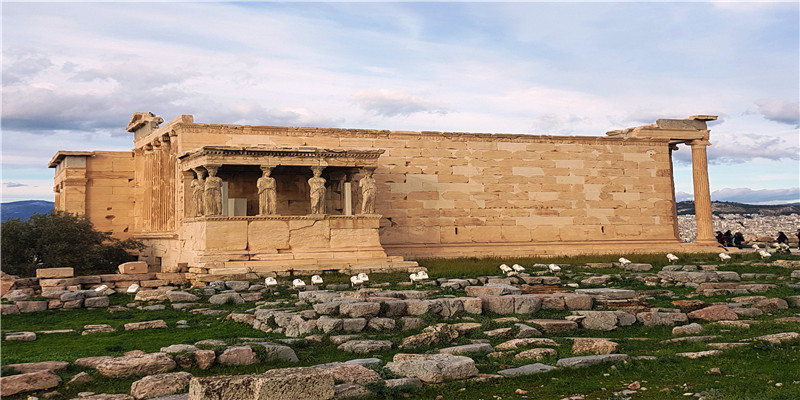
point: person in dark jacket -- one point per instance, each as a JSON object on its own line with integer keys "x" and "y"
{"x": 738, "y": 239}
{"x": 728, "y": 238}
{"x": 782, "y": 238}
{"x": 720, "y": 238}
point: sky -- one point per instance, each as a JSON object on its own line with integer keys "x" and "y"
{"x": 74, "y": 73}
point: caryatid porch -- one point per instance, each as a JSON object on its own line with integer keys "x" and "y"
{"x": 285, "y": 208}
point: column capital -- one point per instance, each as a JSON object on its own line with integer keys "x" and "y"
{"x": 698, "y": 142}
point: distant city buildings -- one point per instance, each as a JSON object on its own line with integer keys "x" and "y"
{"x": 754, "y": 227}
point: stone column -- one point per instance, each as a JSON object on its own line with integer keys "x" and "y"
{"x": 702, "y": 194}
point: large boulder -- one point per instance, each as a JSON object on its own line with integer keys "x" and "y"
{"x": 435, "y": 368}
{"x": 178, "y": 296}
{"x": 160, "y": 385}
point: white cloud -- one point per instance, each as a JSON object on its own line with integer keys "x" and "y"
{"x": 389, "y": 103}
{"x": 784, "y": 111}
{"x": 746, "y": 195}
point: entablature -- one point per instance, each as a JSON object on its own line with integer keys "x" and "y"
{"x": 284, "y": 156}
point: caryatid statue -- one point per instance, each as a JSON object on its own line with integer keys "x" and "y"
{"x": 317, "y": 185}
{"x": 198, "y": 186}
{"x": 267, "y": 194}
{"x": 368, "y": 191}
{"x": 213, "y": 193}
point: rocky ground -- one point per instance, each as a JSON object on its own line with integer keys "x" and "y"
{"x": 486, "y": 336}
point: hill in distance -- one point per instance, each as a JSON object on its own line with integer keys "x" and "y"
{"x": 24, "y": 209}
{"x": 727, "y": 207}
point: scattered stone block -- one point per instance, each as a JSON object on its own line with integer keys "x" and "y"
{"x": 608, "y": 294}
{"x": 594, "y": 346}
{"x": 64, "y": 272}
{"x": 529, "y": 369}
{"x": 160, "y": 385}
{"x": 132, "y": 365}
{"x": 554, "y": 325}
{"x": 714, "y": 313}
{"x": 204, "y": 358}
{"x": 97, "y": 302}
{"x": 276, "y": 384}
{"x": 365, "y": 346}
{"x": 653, "y": 318}
{"x": 97, "y": 328}
{"x": 51, "y": 366}
{"x": 31, "y": 306}
{"x": 155, "y": 324}
{"x": 349, "y": 373}
{"x": 133, "y": 267}
{"x": 586, "y": 361}
{"x": 491, "y": 289}
{"x": 29, "y": 382}
{"x": 435, "y": 368}
{"x": 767, "y": 305}
{"x": 699, "y": 354}
{"x": 690, "y": 329}
{"x": 237, "y": 355}
{"x": 238, "y": 286}
{"x": 515, "y": 343}
{"x": 536, "y": 354}
{"x": 21, "y": 336}
{"x": 468, "y": 348}
{"x": 226, "y": 298}
{"x": 779, "y": 337}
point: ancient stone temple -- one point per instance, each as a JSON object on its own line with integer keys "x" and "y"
{"x": 214, "y": 197}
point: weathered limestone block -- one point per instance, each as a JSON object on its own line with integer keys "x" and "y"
{"x": 381, "y": 324}
{"x": 29, "y": 382}
{"x": 394, "y": 308}
{"x": 21, "y": 336}
{"x": 450, "y": 307}
{"x": 8, "y": 309}
{"x": 526, "y": 304}
{"x": 491, "y": 289}
{"x": 238, "y": 286}
{"x": 472, "y": 305}
{"x": 354, "y": 324}
{"x": 515, "y": 343}
{"x": 586, "y": 361}
{"x": 714, "y": 313}
{"x": 276, "y": 384}
{"x": 468, "y": 348}
{"x": 177, "y": 296}
{"x": 237, "y": 355}
{"x": 96, "y": 302}
{"x": 528, "y": 369}
{"x": 594, "y": 346}
{"x": 25, "y": 368}
{"x": 431, "y": 335}
{"x": 31, "y": 306}
{"x": 160, "y": 385}
{"x": 97, "y": 328}
{"x": 328, "y": 324}
{"x": 577, "y": 301}
{"x": 133, "y": 267}
{"x": 349, "y": 373}
{"x": 204, "y": 358}
{"x": 224, "y": 298}
{"x": 55, "y": 272}
{"x": 503, "y": 305}
{"x": 772, "y": 304}
{"x": 151, "y": 295}
{"x": 365, "y": 346}
{"x": 660, "y": 318}
{"x": 435, "y": 368}
{"x": 607, "y": 294}
{"x": 361, "y": 309}
{"x": 536, "y": 354}
{"x": 554, "y": 325}
{"x": 598, "y": 320}
{"x": 135, "y": 365}
{"x": 155, "y": 324}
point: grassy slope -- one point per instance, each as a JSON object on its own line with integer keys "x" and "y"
{"x": 747, "y": 373}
